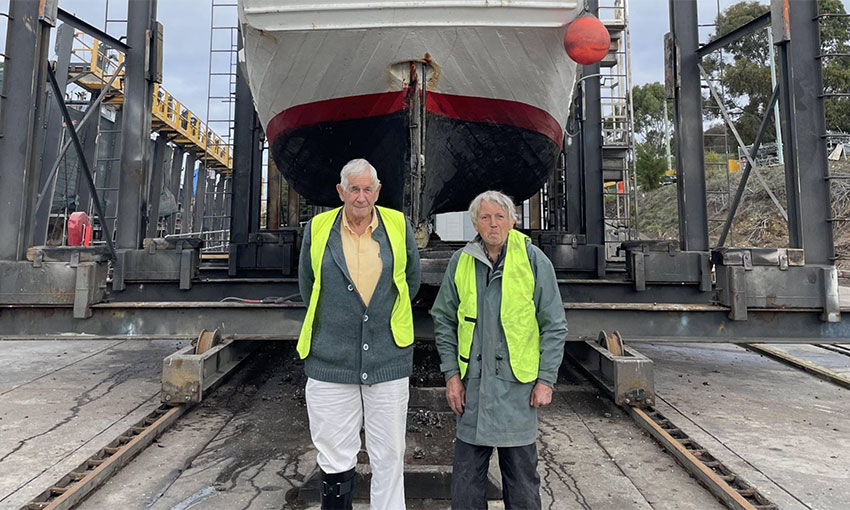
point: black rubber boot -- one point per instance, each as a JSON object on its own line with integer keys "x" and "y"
{"x": 337, "y": 490}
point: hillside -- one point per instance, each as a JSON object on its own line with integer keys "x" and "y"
{"x": 758, "y": 221}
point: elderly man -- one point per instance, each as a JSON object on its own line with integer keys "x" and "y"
{"x": 358, "y": 271}
{"x": 500, "y": 329}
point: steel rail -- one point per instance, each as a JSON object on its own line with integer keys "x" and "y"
{"x": 806, "y": 366}
{"x": 80, "y": 482}
{"x": 732, "y": 490}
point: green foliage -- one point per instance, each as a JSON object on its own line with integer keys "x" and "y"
{"x": 648, "y": 102}
{"x": 650, "y": 166}
{"x": 650, "y": 156}
{"x": 745, "y": 69}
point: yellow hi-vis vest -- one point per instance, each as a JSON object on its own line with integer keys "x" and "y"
{"x": 401, "y": 320}
{"x": 517, "y": 312}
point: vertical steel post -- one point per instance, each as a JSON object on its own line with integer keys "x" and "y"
{"x": 574, "y": 185}
{"x": 257, "y": 139}
{"x": 176, "y": 168}
{"x": 188, "y": 192}
{"x": 218, "y": 211}
{"x": 136, "y": 125}
{"x": 200, "y": 198}
{"x": 24, "y": 84}
{"x": 156, "y": 186}
{"x": 113, "y": 175}
{"x": 210, "y": 202}
{"x": 247, "y": 163}
{"x": 89, "y": 139}
{"x": 592, "y": 148}
{"x": 293, "y": 207}
{"x": 687, "y": 123}
{"x": 228, "y": 204}
{"x": 776, "y": 118}
{"x": 273, "y": 201}
{"x": 53, "y": 135}
{"x": 796, "y": 33}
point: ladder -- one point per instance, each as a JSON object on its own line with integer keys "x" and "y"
{"x": 618, "y": 160}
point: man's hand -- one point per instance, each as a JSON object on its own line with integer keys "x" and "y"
{"x": 456, "y": 394}
{"x": 541, "y": 395}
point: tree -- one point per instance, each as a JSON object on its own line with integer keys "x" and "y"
{"x": 745, "y": 68}
{"x": 650, "y": 151}
{"x": 649, "y": 166}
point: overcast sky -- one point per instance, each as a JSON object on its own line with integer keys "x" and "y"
{"x": 186, "y": 25}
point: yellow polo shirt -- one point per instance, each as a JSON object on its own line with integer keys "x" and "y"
{"x": 362, "y": 257}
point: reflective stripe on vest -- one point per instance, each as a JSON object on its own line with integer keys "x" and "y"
{"x": 401, "y": 320}
{"x": 517, "y": 312}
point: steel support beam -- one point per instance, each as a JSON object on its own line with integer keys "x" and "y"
{"x": 574, "y": 184}
{"x": 82, "y": 26}
{"x": 86, "y": 170}
{"x": 745, "y": 175}
{"x": 591, "y": 128}
{"x": 200, "y": 199}
{"x": 89, "y": 140}
{"x": 188, "y": 192}
{"x": 136, "y": 126}
{"x": 27, "y": 39}
{"x": 730, "y": 37}
{"x": 293, "y": 207}
{"x": 644, "y": 323}
{"x": 218, "y": 220}
{"x": 53, "y": 135}
{"x": 796, "y": 33}
{"x": 247, "y": 164}
{"x": 687, "y": 121}
{"x": 157, "y": 183}
{"x": 273, "y": 201}
{"x": 176, "y": 167}
{"x": 228, "y": 203}
{"x": 113, "y": 176}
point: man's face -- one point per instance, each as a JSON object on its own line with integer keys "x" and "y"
{"x": 360, "y": 197}
{"x": 493, "y": 223}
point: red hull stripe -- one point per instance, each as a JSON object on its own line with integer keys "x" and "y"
{"x": 335, "y": 110}
{"x": 496, "y": 111}
{"x": 464, "y": 108}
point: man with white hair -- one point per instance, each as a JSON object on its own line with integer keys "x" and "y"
{"x": 500, "y": 328}
{"x": 359, "y": 269}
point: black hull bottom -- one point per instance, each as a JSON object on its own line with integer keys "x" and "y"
{"x": 462, "y": 159}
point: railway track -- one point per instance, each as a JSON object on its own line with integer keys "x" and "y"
{"x": 730, "y": 488}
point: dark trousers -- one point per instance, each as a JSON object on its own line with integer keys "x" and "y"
{"x": 520, "y": 481}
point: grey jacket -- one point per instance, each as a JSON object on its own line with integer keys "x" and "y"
{"x": 498, "y": 410}
{"x": 353, "y": 344}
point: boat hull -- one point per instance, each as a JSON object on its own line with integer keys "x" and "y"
{"x": 494, "y": 98}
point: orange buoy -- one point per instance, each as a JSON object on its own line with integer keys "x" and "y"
{"x": 587, "y": 40}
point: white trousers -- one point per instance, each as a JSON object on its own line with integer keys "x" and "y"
{"x": 338, "y": 411}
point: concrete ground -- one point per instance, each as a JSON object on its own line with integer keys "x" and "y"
{"x": 785, "y": 431}
{"x": 247, "y": 446}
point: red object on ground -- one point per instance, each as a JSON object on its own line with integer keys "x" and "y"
{"x": 78, "y": 223}
{"x": 587, "y": 40}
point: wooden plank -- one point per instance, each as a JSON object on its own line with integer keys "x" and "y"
{"x": 806, "y": 366}
{"x": 711, "y": 480}
{"x": 79, "y": 490}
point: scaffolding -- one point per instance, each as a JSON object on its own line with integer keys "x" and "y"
{"x": 618, "y": 158}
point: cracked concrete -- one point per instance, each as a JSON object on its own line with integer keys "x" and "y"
{"x": 247, "y": 446}
{"x": 63, "y": 401}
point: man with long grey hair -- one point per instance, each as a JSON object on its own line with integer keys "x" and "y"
{"x": 500, "y": 328}
{"x": 359, "y": 269}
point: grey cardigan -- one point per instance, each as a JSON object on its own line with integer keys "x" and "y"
{"x": 352, "y": 343}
